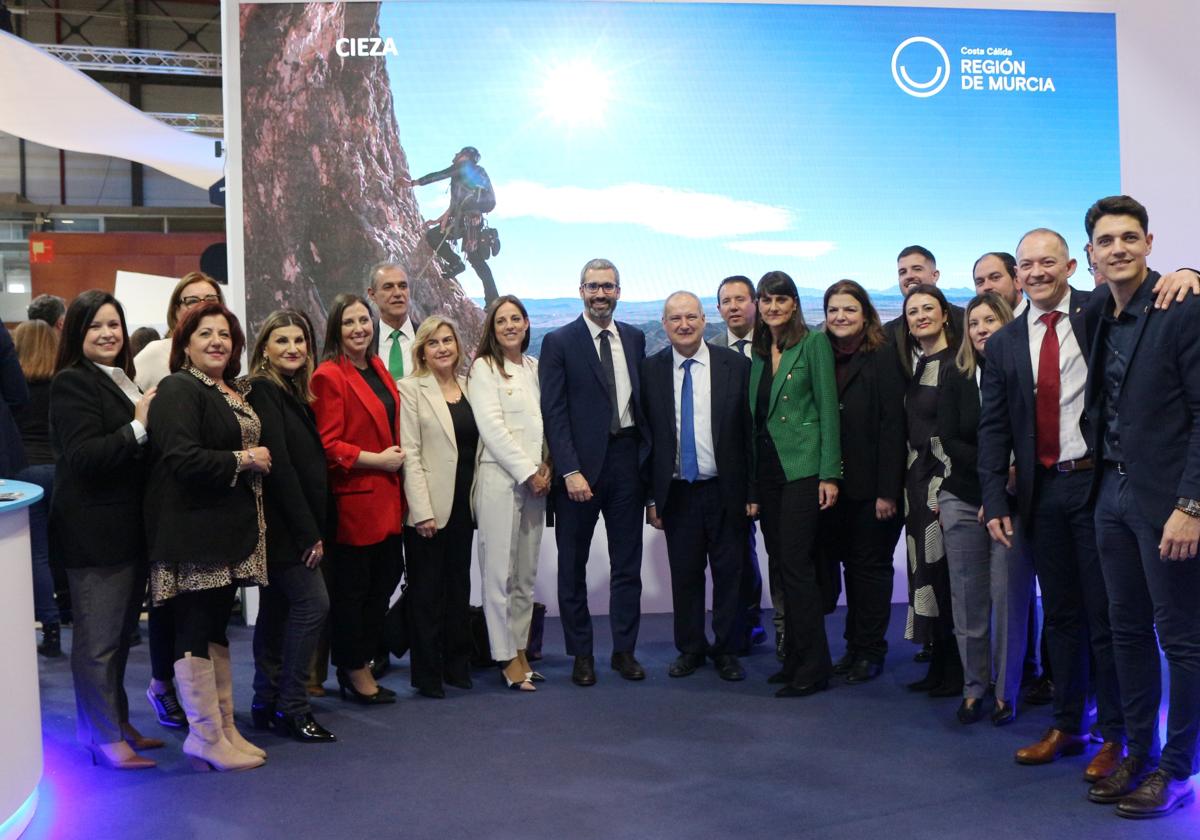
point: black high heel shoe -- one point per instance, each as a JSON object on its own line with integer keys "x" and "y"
{"x": 346, "y": 687}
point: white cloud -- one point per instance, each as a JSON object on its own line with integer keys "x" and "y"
{"x": 804, "y": 249}
{"x": 694, "y": 215}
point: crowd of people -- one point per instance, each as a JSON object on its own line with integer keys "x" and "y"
{"x": 1040, "y": 436}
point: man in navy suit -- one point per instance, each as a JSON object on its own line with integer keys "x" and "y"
{"x": 695, "y": 400}
{"x": 1033, "y": 406}
{"x": 592, "y": 413}
{"x": 1143, "y": 396}
{"x": 738, "y": 304}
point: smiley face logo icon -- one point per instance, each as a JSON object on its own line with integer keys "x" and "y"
{"x": 904, "y": 81}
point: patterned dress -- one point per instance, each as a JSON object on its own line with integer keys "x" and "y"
{"x": 167, "y": 581}
{"x": 928, "y": 577}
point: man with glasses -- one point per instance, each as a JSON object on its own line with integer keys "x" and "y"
{"x": 596, "y": 430}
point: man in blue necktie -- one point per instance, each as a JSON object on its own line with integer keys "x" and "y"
{"x": 697, "y": 407}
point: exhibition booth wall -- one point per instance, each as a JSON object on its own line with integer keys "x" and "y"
{"x": 687, "y": 142}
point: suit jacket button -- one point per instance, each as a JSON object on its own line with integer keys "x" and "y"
{"x": 782, "y": 419}
{"x": 785, "y": 397}
{"x": 789, "y": 376}
{"x": 510, "y": 392}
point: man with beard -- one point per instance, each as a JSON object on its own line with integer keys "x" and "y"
{"x": 916, "y": 265}
{"x": 592, "y": 413}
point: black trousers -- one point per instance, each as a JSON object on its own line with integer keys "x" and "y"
{"x": 850, "y": 537}
{"x": 702, "y": 532}
{"x": 361, "y": 580}
{"x": 750, "y": 584}
{"x": 617, "y": 493}
{"x": 202, "y": 618}
{"x": 788, "y": 514}
{"x": 438, "y": 597}
{"x": 291, "y": 614}
{"x": 1063, "y": 535}
{"x": 161, "y": 631}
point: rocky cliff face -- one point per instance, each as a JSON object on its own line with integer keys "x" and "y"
{"x": 321, "y": 158}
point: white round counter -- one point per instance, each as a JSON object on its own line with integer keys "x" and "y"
{"x": 21, "y": 723}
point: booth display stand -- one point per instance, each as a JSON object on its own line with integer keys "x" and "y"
{"x": 21, "y": 723}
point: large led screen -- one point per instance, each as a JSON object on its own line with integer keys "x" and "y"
{"x": 685, "y": 142}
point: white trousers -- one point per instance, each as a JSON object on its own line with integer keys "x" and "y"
{"x": 510, "y": 522}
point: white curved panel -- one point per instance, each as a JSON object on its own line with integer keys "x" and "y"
{"x": 47, "y": 102}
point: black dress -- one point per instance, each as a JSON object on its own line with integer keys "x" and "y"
{"x": 928, "y": 577}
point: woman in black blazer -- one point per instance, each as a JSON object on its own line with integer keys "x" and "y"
{"x": 98, "y": 422}
{"x": 294, "y": 604}
{"x": 205, "y": 522}
{"x": 860, "y": 532}
{"x": 990, "y": 584}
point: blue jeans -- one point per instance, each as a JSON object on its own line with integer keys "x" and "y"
{"x": 45, "y": 609}
{"x": 1146, "y": 593}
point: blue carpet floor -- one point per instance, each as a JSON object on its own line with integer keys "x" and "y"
{"x": 665, "y": 758}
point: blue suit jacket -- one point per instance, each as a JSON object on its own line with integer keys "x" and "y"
{"x": 1007, "y": 421}
{"x": 1158, "y": 407}
{"x": 575, "y": 404}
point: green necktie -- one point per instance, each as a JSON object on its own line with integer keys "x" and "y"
{"x": 396, "y": 356}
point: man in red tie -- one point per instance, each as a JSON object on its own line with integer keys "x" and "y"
{"x": 1033, "y": 406}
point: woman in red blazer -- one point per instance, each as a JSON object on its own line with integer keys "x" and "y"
{"x": 358, "y": 416}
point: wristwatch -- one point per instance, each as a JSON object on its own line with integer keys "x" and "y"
{"x": 1189, "y": 506}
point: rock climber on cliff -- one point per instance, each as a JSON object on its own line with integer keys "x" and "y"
{"x": 471, "y": 196}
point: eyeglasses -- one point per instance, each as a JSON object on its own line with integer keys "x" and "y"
{"x": 193, "y": 300}
{"x": 607, "y": 288}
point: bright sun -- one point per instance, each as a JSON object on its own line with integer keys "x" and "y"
{"x": 575, "y": 93}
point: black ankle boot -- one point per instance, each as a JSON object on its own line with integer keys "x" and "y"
{"x": 951, "y": 684}
{"x": 51, "y": 646}
{"x": 937, "y": 670}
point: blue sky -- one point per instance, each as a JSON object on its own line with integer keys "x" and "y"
{"x": 687, "y": 142}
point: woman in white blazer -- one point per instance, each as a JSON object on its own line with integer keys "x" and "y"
{"x": 512, "y": 482}
{"x": 438, "y": 435}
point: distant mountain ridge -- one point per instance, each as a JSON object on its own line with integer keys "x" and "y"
{"x": 546, "y": 314}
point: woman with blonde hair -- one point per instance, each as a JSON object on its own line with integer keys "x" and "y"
{"x": 990, "y": 584}
{"x": 439, "y": 436}
{"x": 514, "y": 478}
{"x": 296, "y": 502}
{"x": 36, "y": 346}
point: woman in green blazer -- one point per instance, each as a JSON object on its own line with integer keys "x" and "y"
{"x": 797, "y": 462}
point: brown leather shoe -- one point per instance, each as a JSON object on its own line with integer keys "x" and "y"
{"x": 1054, "y": 744}
{"x": 1105, "y": 762}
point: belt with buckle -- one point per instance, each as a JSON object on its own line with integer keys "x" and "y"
{"x": 1074, "y": 466}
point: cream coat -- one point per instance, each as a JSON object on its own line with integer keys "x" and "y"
{"x": 430, "y": 451}
{"x": 509, "y": 415}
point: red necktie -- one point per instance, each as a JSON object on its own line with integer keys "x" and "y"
{"x": 1049, "y": 393}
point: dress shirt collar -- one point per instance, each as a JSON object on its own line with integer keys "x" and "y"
{"x": 731, "y": 339}
{"x": 1137, "y": 303}
{"x": 1022, "y": 304}
{"x": 1064, "y": 306}
{"x": 595, "y": 329}
{"x": 122, "y": 381}
{"x": 406, "y": 329}
{"x": 700, "y": 355}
